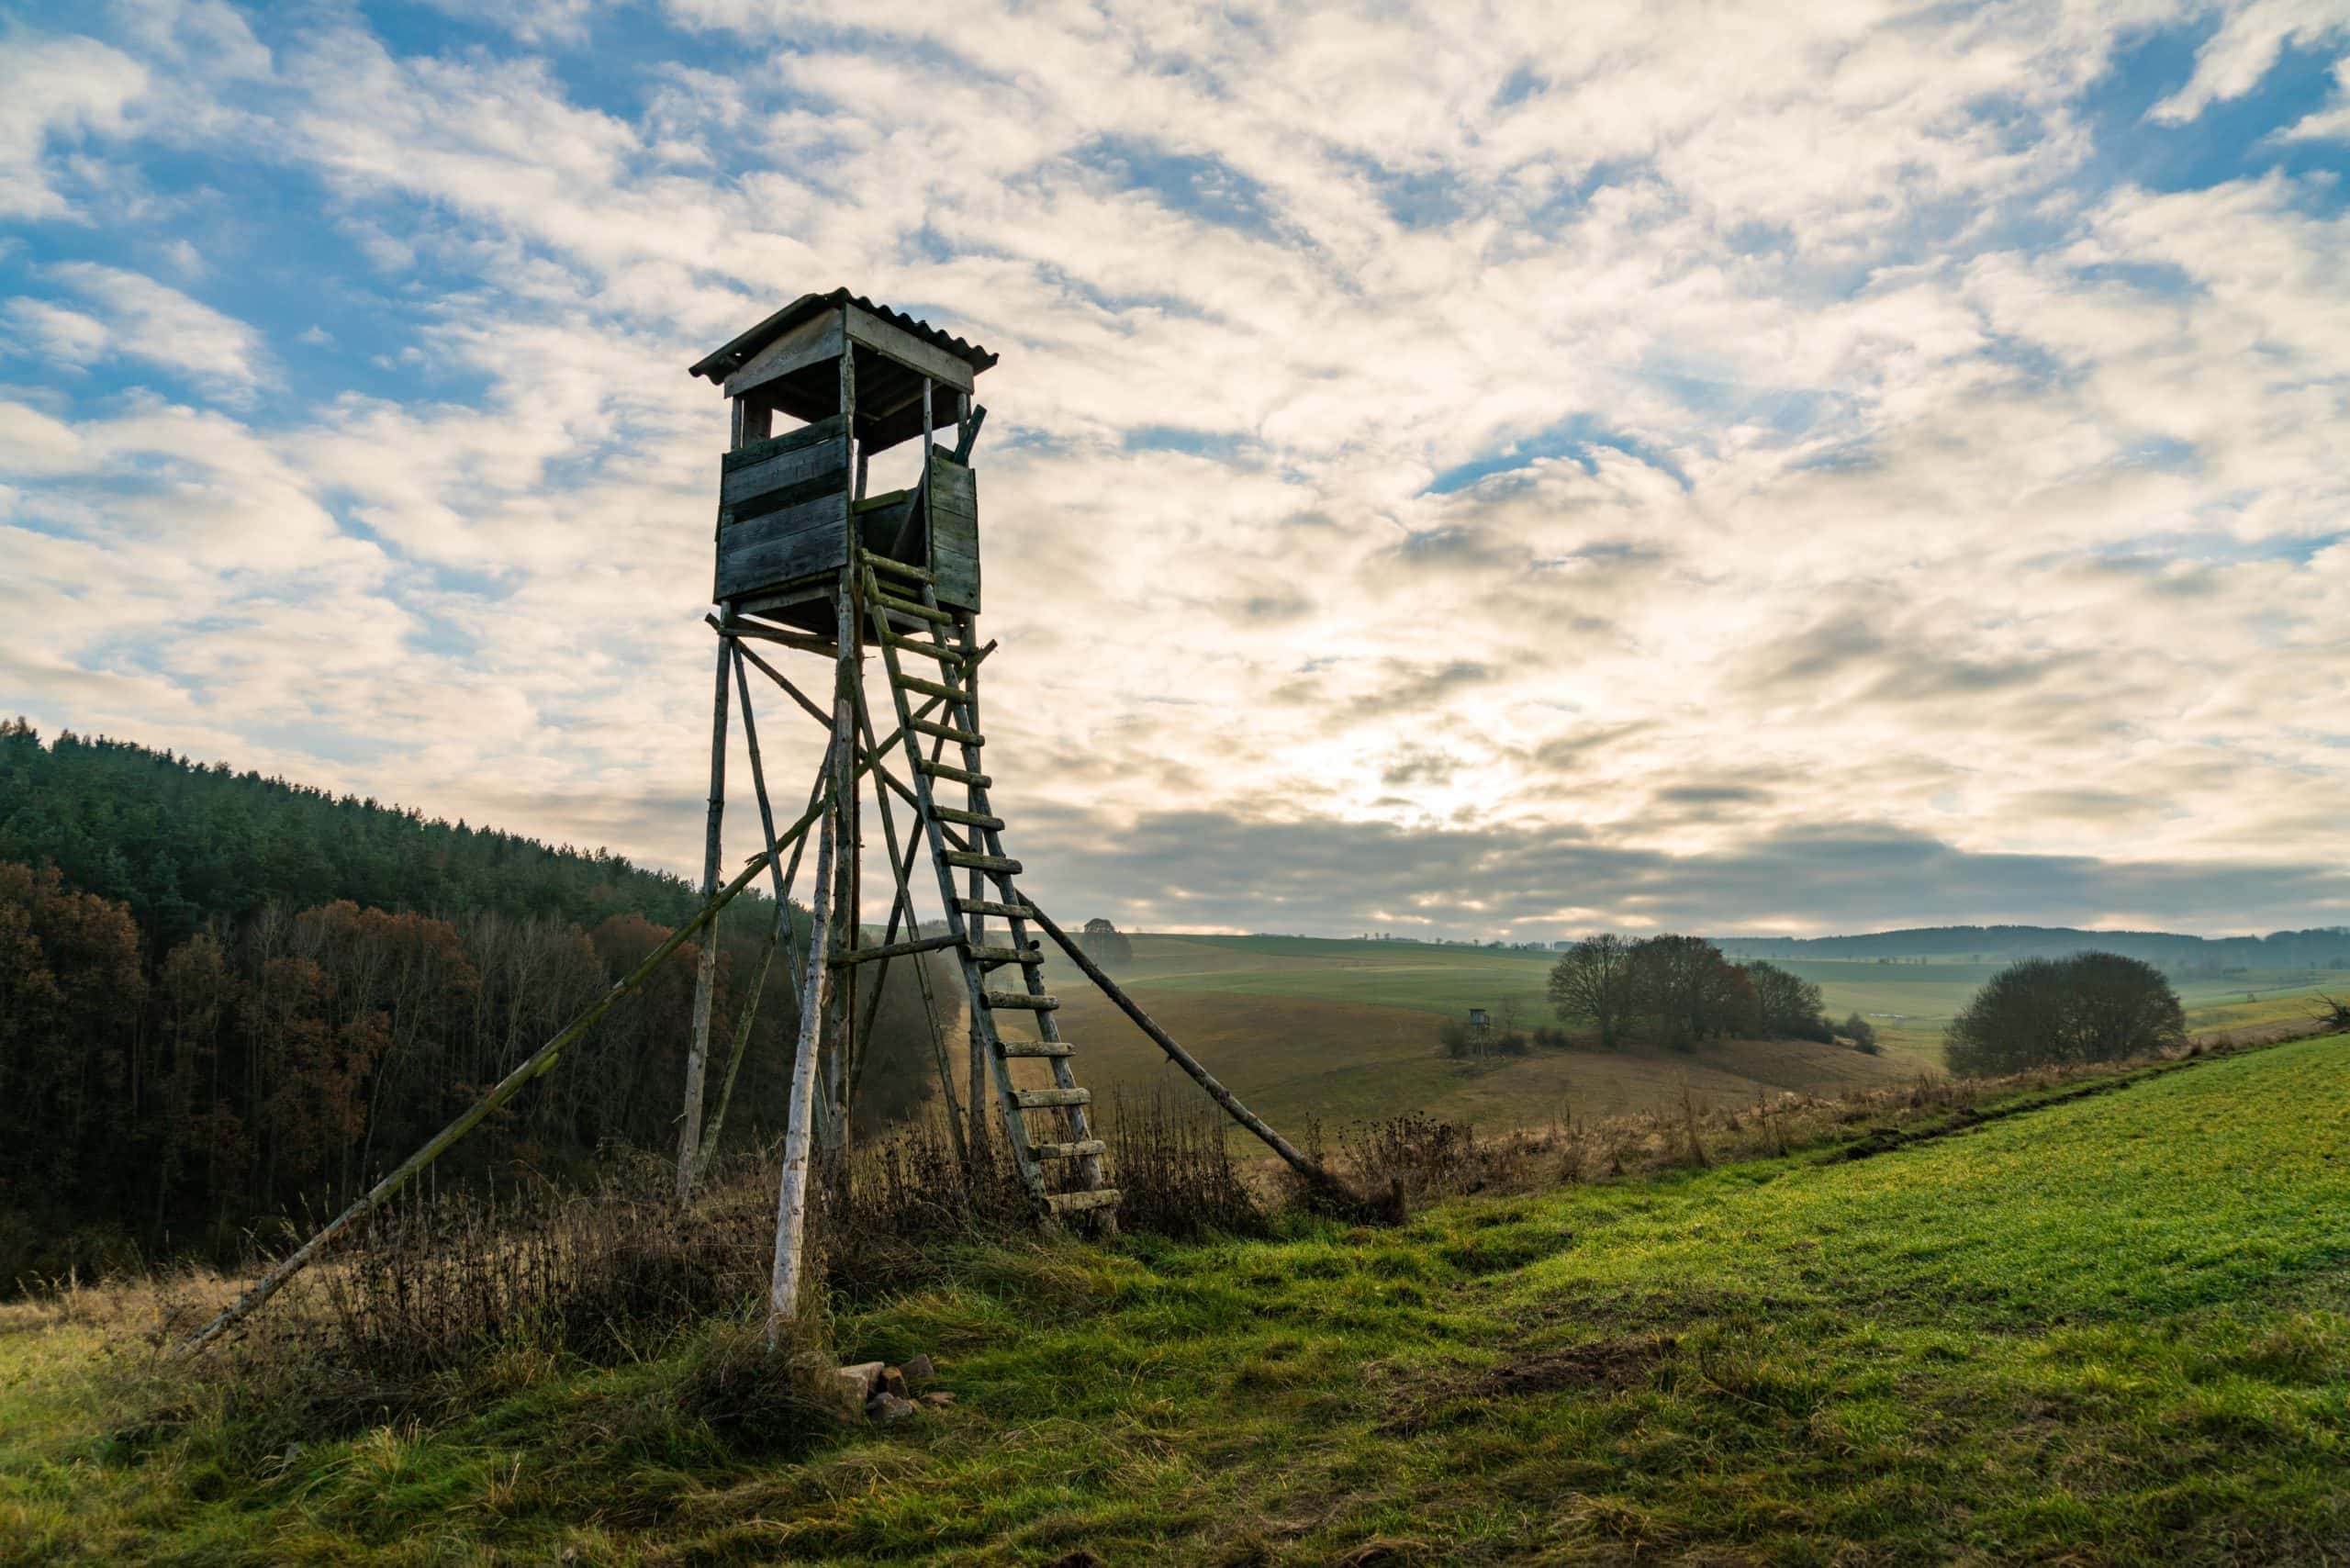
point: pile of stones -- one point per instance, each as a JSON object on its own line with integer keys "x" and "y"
{"x": 877, "y": 1391}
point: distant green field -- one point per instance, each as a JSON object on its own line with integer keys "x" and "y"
{"x": 1342, "y": 1031}
{"x": 1911, "y": 1004}
{"x": 1307, "y": 1026}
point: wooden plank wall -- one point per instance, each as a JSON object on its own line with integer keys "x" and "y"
{"x": 783, "y": 510}
{"x": 954, "y": 532}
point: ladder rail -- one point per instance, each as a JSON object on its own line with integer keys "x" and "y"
{"x": 975, "y": 981}
{"x": 1079, "y": 1130}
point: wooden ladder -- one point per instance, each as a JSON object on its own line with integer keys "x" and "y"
{"x": 899, "y": 618}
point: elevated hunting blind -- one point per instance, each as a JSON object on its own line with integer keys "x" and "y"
{"x": 808, "y": 560}
{"x": 849, "y": 379}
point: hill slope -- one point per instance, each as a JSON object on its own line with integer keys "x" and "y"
{"x": 2112, "y": 1329}
{"x": 1344, "y": 1029}
{"x": 2320, "y": 947}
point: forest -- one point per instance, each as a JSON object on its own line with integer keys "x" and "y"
{"x": 227, "y": 998}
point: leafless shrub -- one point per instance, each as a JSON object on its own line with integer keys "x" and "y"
{"x": 1689, "y": 1125}
{"x": 1428, "y": 1157}
{"x": 1174, "y": 1171}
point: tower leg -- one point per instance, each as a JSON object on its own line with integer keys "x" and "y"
{"x": 778, "y": 931}
{"x": 846, "y": 688}
{"x": 706, "y": 975}
{"x": 792, "y": 1200}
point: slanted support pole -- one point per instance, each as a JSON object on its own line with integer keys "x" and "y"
{"x": 706, "y": 976}
{"x": 537, "y": 1063}
{"x": 1318, "y": 1179}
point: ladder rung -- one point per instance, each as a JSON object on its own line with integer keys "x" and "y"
{"x": 1009, "y": 1048}
{"x": 948, "y": 732}
{"x": 960, "y": 775}
{"x": 1051, "y": 1099}
{"x": 1074, "y": 1203}
{"x": 1021, "y": 1001}
{"x": 898, "y": 568}
{"x": 1003, "y": 865}
{"x": 1076, "y": 1150}
{"x": 932, "y": 689}
{"x": 989, "y": 906}
{"x": 897, "y": 605}
{"x": 968, "y": 819}
{"x": 916, "y": 645}
{"x": 997, "y": 957}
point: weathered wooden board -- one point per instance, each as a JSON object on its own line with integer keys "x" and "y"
{"x": 799, "y": 435}
{"x": 813, "y": 341}
{"x": 776, "y": 547}
{"x": 954, "y": 532}
{"x": 958, "y": 581}
{"x": 776, "y": 470}
{"x": 907, "y": 349}
{"x": 816, "y": 487}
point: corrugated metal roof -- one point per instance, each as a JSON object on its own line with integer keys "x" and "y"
{"x": 739, "y": 352}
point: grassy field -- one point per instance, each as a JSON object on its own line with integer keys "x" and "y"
{"x": 2110, "y": 1330}
{"x": 1345, "y": 1030}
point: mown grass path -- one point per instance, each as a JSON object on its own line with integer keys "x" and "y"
{"x": 2109, "y": 1331}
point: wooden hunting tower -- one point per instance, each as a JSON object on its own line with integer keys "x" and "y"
{"x": 851, "y": 379}
{"x": 808, "y": 560}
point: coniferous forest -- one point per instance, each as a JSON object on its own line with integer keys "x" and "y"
{"x": 226, "y": 998}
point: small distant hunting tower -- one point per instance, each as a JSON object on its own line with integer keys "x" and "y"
{"x": 809, "y": 561}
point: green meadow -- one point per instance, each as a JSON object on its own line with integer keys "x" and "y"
{"x": 2101, "y": 1329}
{"x": 1345, "y": 1030}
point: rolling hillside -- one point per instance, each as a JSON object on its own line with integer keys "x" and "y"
{"x": 2113, "y": 1327}
{"x": 1345, "y": 1030}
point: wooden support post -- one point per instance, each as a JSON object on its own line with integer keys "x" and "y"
{"x": 1318, "y": 1179}
{"x": 778, "y": 932}
{"x": 791, "y": 1197}
{"x": 807, "y": 703}
{"x": 745, "y": 630}
{"x": 846, "y": 644}
{"x": 706, "y": 975}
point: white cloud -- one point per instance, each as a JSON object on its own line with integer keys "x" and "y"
{"x": 54, "y": 89}
{"x": 147, "y": 321}
{"x": 52, "y": 331}
{"x": 2331, "y": 123}
{"x": 2248, "y": 41}
{"x": 531, "y": 21}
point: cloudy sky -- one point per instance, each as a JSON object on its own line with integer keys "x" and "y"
{"x": 1454, "y": 469}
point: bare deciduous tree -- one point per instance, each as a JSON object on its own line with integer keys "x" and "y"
{"x": 1592, "y": 985}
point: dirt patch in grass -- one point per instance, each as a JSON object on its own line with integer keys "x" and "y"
{"x": 1452, "y": 1394}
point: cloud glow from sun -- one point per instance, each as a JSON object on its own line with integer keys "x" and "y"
{"x": 1718, "y": 467}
